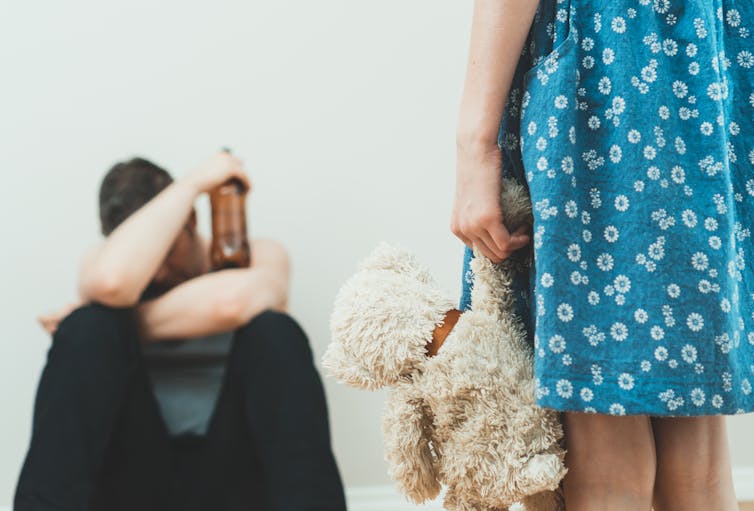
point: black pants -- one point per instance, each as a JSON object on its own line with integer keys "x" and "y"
{"x": 99, "y": 442}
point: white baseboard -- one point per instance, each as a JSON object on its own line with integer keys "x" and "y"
{"x": 387, "y": 498}
{"x": 384, "y": 498}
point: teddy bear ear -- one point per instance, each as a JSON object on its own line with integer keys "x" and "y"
{"x": 491, "y": 291}
{"x": 395, "y": 258}
{"x": 516, "y": 204}
{"x": 383, "y": 317}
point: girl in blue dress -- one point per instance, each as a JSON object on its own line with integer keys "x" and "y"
{"x": 630, "y": 122}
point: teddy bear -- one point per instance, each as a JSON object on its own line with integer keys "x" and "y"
{"x": 460, "y": 409}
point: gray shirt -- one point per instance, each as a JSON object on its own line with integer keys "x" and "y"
{"x": 186, "y": 376}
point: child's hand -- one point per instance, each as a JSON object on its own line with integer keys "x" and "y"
{"x": 477, "y": 217}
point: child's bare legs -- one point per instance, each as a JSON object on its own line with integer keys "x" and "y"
{"x": 693, "y": 464}
{"x": 634, "y": 462}
{"x": 610, "y": 460}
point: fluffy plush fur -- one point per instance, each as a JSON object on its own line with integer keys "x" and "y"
{"x": 467, "y": 417}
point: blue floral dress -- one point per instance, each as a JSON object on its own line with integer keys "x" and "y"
{"x": 631, "y": 122}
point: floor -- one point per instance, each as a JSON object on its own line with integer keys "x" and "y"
{"x": 746, "y": 506}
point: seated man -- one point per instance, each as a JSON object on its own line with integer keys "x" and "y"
{"x": 171, "y": 386}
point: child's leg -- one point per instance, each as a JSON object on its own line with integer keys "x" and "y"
{"x": 610, "y": 460}
{"x": 693, "y": 464}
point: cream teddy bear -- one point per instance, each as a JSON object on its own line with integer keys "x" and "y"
{"x": 466, "y": 417}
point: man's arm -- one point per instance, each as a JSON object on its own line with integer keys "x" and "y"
{"x": 220, "y": 301}
{"x": 117, "y": 271}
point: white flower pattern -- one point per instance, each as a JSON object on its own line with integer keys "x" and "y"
{"x": 623, "y": 123}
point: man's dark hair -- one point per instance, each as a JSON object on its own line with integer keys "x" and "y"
{"x": 126, "y": 187}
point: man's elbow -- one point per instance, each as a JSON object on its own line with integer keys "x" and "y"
{"x": 272, "y": 253}
{"x": 108, "y": 289}
{"x": 282, "y": 255}
{"x": 233, "y": 311}
{"x": 226, "y": 312}
{"x": 229, "y": 312}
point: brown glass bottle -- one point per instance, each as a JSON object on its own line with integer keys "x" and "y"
{"x": 230, "y": 243}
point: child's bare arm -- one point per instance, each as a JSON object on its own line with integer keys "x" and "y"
{"x": 499, "y": 31}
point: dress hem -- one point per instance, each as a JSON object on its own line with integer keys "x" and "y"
{"x": 641, "y": 403}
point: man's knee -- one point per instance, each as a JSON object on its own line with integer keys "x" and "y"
{"x": 95, "y": 330}
{"x": 274, "y": 335}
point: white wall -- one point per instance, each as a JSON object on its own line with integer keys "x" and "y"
{"x": 344, "y": 111}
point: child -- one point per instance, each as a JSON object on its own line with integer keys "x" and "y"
{"x": 628, "y": 122}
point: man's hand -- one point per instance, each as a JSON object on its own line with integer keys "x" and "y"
{"x": 216, "y": 170}
{"x": 117, "y": 271}
{"x": 51, "y": 320}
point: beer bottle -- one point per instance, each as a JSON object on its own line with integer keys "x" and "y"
{"x": 230, "y": 243}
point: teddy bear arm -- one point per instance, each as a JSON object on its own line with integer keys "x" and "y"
{"x": 548, "y": 500}
{"x": 411, "y": 461}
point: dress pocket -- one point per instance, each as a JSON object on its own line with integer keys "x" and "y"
{"x": 562, "y": 15}
{"x": 549, "y": 122}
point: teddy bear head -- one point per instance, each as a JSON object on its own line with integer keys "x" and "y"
{"x": 384, "y": 316}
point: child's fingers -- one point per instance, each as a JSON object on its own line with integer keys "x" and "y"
{"x": 485, "y": 250}
{"x": 509, "y": 242}
{"x": 500, "y": 253}
{"x": 520, "y": 237}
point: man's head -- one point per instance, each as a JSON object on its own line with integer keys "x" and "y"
{"x": 128, "y": 186}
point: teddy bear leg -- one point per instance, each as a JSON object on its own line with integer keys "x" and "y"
{"x": 454, "y": 503}
{"x": 542, "y": 472}
{"x": 457, "y": 500}
{"x": 544, "y": 501}
{"x": 406, "y": 433}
